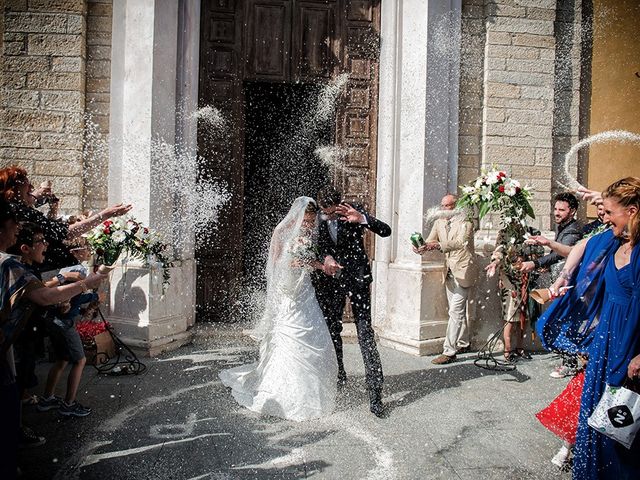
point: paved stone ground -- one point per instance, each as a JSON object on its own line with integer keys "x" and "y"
{"x": 177, "y": 421}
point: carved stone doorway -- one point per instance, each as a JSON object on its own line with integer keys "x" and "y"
{"x": 282, "y": 42}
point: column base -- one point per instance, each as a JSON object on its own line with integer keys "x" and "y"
{"x": 147, "y": 318}
{"x": 416, "y": 309}
{"x": 419, "y": 348}
{"x": 155, "y": 347}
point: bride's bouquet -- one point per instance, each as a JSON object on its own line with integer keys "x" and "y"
{"x": 303, "y": 251}
{"x": 112, "y": 238}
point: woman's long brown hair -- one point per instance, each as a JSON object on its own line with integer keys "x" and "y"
{"x": 627, "y": 193}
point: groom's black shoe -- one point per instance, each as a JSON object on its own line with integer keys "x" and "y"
{"x": 342, "y": 379}
{"x": 375, "y": 403}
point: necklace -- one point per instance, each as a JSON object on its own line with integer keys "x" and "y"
{"x": 627, "y": 250}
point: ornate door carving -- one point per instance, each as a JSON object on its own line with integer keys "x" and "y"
{"x": 309, "y": 41}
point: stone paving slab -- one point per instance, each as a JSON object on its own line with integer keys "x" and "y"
{"x": 177, "y": 421}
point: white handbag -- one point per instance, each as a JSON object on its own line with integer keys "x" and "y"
{"x": 617, "y": 415}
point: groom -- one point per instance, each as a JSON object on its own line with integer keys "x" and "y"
{"x": 347, "y": 273}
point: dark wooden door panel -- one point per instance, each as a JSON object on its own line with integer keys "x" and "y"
{"x": 268, "y": 40}
{"x": 309, "y": 41}
{"x": 316, "y": 45}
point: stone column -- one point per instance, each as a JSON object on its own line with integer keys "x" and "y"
{"x": 417, "y": 164}
{"x": 154, "y": 75}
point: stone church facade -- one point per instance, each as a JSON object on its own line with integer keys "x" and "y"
{"x": 459, "y": 85}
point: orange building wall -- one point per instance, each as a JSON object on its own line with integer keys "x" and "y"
{"x": 615, "y": 93}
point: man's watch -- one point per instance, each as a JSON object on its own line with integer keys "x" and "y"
{"x": 536, "y": 264}
{"x": 61, "y": 278}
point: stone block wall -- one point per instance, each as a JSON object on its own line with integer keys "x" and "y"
{"x": 56, "y": 73}
{"x": 572, "y": 34}
{"x": 471, "y": 89}
{"x": 520, "y": 91}
{"x": 519, "y": 94}
{"x": 96, "y": 152}
{"x": 43, "y": 99}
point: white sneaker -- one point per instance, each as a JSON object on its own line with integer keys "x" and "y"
{"x": 563, "y": 371}
{"x": 561, "y": 459}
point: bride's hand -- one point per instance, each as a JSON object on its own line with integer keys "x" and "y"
{"x": 330, "y": 266}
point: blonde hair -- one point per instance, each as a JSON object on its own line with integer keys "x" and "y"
{"x": 627, "y": 193}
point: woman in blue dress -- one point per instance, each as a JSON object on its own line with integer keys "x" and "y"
{"x": 601, "y": 317}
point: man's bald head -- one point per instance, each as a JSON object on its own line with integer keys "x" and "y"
{"x": 448, "y": 202}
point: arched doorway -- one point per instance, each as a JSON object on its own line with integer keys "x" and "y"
{"x": 259, "y": 62}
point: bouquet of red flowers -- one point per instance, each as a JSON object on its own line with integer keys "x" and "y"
{"x": 88, "y": 329}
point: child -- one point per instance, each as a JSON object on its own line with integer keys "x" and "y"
{"x": 66, "y": 340}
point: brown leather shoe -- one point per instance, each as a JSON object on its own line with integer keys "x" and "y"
{"x": 466, "y": 349}
{"x": 443, "y": 359}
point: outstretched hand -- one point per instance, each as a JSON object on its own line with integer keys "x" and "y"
{"x": 526, "y": 267}
{"x": 491, "y": 269}
{"x": 592, "y": 196}
{"x": 426, "y": 247}
{"x": 349, "y": 214}
{"x": 115, "y": 211}
{"x": 559, "y": 287}
{"x": 537, "y": 240}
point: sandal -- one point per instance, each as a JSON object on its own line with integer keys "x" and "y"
{"x": 521, "y": 352}
{"x": 510, "y": 356}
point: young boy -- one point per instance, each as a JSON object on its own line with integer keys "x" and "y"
{"x": 66, "y": 340}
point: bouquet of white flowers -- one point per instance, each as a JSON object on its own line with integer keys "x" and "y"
{"x": 496, "y": 191}
{"x": 303, "y": 251}
{"x": 113, "y": 237}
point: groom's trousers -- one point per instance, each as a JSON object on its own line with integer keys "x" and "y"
{"x": 332, "y": 299}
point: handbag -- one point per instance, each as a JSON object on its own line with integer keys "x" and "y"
{"x": 617, "y": 415}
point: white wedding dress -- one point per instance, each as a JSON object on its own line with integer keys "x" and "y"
{"x": 295, "y": 377}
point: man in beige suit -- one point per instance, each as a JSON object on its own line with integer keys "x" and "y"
{"x": 453, "y": 236}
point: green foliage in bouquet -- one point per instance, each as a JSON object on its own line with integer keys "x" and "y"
{"x": 126, "y": 235}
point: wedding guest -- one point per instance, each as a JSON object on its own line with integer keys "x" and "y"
{"x": 66, "y": 340}
{"x": 453, "y": 236}
{"x": 506, "y": 259}
{"x": 568, "y": 232}
{"x": 16, "y": 189}
{"x": 600, "y": 316}
{"x": 20, "y": 290}
{"x": 30, "y": 248}
{"x": 596, "y": 224}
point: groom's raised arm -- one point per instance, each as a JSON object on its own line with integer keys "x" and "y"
{"x": 376, "y": 226}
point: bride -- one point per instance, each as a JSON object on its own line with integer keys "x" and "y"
{"x": 295, "y": 377}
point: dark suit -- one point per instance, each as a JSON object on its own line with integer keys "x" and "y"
{"x": 354, "y": 281}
